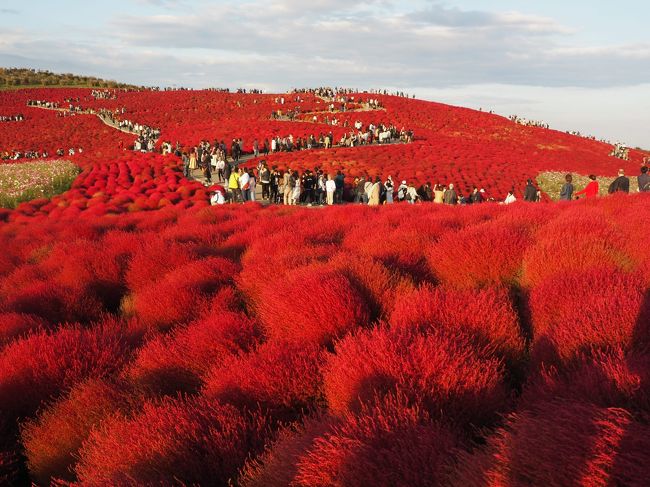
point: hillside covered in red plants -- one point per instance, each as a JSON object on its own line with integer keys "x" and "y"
{"x": 147, "y": 338}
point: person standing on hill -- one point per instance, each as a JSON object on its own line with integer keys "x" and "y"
{"x": 265, "y": 179}
{"x": 566, "y": 193}
{"x": 288, "y": 187}
{"x": 340, "y": 185}
{"x": 644, "y": 180}
{"x": 244, "y": 185}
{"x": 476, "y": 196}
{"x": 330, "y": 188}
{"x": 373, "y": 197}
{"x": 390, "y": 189}
{"x": 530, "y": 192}
{"x": 233, "y": 186}
{"x": 451, "y": 197}
{"x": 620, "y": 185}
{"x": 439, "y": 194}
{"x": 591, "y": 190}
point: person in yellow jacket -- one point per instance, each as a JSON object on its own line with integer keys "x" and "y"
{"x": 233, "y": 186}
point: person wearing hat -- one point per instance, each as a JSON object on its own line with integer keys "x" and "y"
{"x": 216, "y": 197}
{"x": 401, "y": 191}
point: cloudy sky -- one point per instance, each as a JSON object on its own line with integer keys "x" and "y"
{"x": 579, "y": 65}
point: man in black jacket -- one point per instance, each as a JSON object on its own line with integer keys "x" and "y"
{"x": 530, "y": 193}
{"x": 621, "y": 183}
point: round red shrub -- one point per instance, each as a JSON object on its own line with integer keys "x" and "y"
{"x": 597, "y": 308}
{"x": 278, "y": 465}
{"x": 283, "y": 378}
{"x": 480, "y": 255}
{"x": 181, "y": 294}
{"x": 313, "y": 305}
{"x": 487, "y": 315}
{"x": 38, "y": 367}
{"x": 53, "y": 439}
{"x": 187, "y": 441}
{"x": 610, "y": 378}
{"x": 55, "y": 302}
{"x": 178, "y": 362}
{"x": 577, "y": 240}
{"x": 442, "y": 371}
{"x": 390, "y": 443}
{"x": 561, "y": 443}
{"x": 15, "y": 325}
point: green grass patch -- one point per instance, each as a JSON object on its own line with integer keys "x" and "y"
{"x": 551, "y": 183}
{"x": 31, "y": 180}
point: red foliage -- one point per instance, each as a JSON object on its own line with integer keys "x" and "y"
{"x": 391, "y": 443}
{"x": 606, "y": 379}
{"x": 278, "y": 465}
{"x": 561, "y": 443}
{"x": 487, "y": 315}
{"x": 15, "y": 325}
{"x": 282, "y": 378}
{"x": 179, "y": 362}
{"x": 578, "y": 239}
{"x": 52, "y": 440}
{"x": 193, "y": 441}
{"x": 599, "y": 308}
{"x": 324, "y": 305}
{"x": 38, "y": 367}
{"x": 468, "y": 258}
{"x": 442, "y": 371}
{"x": 180, "y": 295}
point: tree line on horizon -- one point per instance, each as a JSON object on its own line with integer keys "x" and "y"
{"x": 13, "y": 77}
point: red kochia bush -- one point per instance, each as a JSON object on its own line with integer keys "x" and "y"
{"x": 577, "y": 240}
{"x": 561, "y": 443}
{"x": 14, "y": 325}
{"x": 487, "y": 315}
{"x": 278, "y": 465}
{"x": 390, "y": 443}
{"x": 178, "y": 362}
{"x": 36, "y": 368}
{"x": 595, "y": 308}
{"x": 313, "y": 305}
{"x": 606, "y": 379}
{"x": 481, "y": 255}
{"x": 55, "y": 302}
{"x": 179, "y": 296}
{"x": 442, "y": 371}
{"x": 284, "y": 378}
{"x": 53, "y": 439}
{"x": 193, "y": 441}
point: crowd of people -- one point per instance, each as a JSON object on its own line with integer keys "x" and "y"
{"x": 528, "y": 123}
{"x": 620, "y": 151}
{"x": 12, "y": 118}
{"x": 16, "y": 155}
{"x": 52, "y": 105}
{"x": 318, "y": 188}
{"x": 620, "y": 185}
{"x": 104, "y": 94}
{"x": 333, "y": 93}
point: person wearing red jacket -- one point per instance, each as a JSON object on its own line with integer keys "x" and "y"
{"x": 591, "y": 190}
